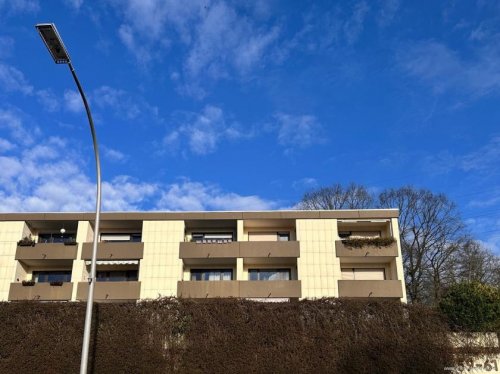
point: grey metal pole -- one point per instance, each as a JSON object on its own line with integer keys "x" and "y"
{"x": 90, "y": 298}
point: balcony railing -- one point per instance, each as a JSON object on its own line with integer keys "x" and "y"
{"x": 108, "y": 291}
{"x": 114, "y": 251}
{"x": 190, "y": 250}
{"x": 343, "y": 250}
{"x": 41, "y": 291}
{"x": 247, "y": 289}
{"x": 371, "y": 288}
{"x": 46, "y": 251}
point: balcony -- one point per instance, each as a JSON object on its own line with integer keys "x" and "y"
{"x": 370, "y": 288}
{"x": 247, "y": 289}
{"x": 188, "y": 250}
{"x": 114, "y": 250}
{"x": 207, "y": 289}
{"x": 269, "y": 249}
{"x": 46, "y": 251}
{"x": 40, "y": 291}
{"x": 193, "y": 250}
{"x": 110, "y": 291}
{"x": 343, "y": 250}
{"x": 265, "y": 289}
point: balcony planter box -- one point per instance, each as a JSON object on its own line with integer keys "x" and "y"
{"x": 28, "y": 283}
{"x": 26, "y": 242}
{"x": 373, "y": 242}
{"x": 58, "y": 284}
{"x": 70, "y": 242}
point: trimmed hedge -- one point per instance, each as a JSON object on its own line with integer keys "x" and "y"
{"x": 226, "y": 335}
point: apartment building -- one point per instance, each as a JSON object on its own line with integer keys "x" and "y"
{"x": 269, "y": 255}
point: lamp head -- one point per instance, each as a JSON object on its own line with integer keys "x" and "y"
{"x": 53, "y": 42}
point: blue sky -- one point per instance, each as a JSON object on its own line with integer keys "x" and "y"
{"x": 224, "y": 105}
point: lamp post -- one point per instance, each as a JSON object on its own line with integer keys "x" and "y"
{"x": 55, "y": 45}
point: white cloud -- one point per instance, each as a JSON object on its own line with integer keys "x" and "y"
{"x": 49, "y": 101}
{"x": 5, "y": 145}
{"x": 305, "y": 183}
{"x": 223, "y": 38}
{"x": 123, "y": 104}
{"x": 218, "y": 41}
{"x": 113, "y": 154}
{"x": 387, "y": 12}
{"x": 14, "y": 121}
{"x": 73, "y": 101}
{"x": 445, "y": 70}
{"x": 13, "y": 80}
{"x": 19, "y": 6}
{"x": 197, "y": 196}
{"x": 6, "y": 46}
{"x": 353, "y": 27}
{"x": 75, "y": 4}
{"x": 298, "y": 131}
{"x": 203, "y": 131}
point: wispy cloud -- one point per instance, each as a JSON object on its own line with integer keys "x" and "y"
{"x": 223, "y": 39}
{"x": 203, "y": 131}
{"x": 9, "y": 7}
{"x": 305, "y": 183}
{"x": 188, "y": 195}
{"x": 73, "y": 101}
{"x": 5, "y": 145}
{"x": 75, "y": 4}
{"x": 445, "y": 70}
{"x": 6, "y": 46}
{"x": 113, "y": 155}
{"x": 300, "y": 131}
{"x": 13, "y": 80}
{"x": 122, "y": 103}
{"x": 387, "y": 11}
{"x": 217, "y": 39}
{"x": 353, "y": 26}
{"x": 484, "y": 160}
{"x": 48, "y": 100}
{"x": 18, "y": 125}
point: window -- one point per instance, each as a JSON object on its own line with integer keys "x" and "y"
{"x": 213, "y": 237}
{"x": 211, "y": 274}
{"x": 363, "y": 273}
{"x": 268, "y": 236}
{"x": 121, "y": 237}
{"x": 55, "y": 237}
{"x": 283, "y": 236}
{"x": 117, "y": 276}
{"x": 269, "y": 274}
{"x": 52, "y": 276}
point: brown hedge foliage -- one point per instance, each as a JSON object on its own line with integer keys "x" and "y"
{"x": 208, "y": 336}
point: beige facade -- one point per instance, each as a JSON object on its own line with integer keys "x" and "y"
{"x": 272, "y": 255}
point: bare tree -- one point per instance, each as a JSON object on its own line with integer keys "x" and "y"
{"x": 352, "y": 196}
{"x": 430, "y": 227}
{"x": 475, "y": 263}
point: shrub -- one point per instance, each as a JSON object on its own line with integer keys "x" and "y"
{"x": 226, "y": 335}
{"x": 472, "y": 307}
{"x": 362, "y": 242}
{"x": 28, "y": 283}
{"x": 27, "y": 241}
{"x": 56, "y": 283}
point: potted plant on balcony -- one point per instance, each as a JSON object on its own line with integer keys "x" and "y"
{"x": 362, "y": 242}
{"x": 27, "y": 241}
{"x": 58, "y": 283}
{"x": 28, "y": 283}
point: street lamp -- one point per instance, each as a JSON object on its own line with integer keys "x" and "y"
{"x": 55, "y": 45}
